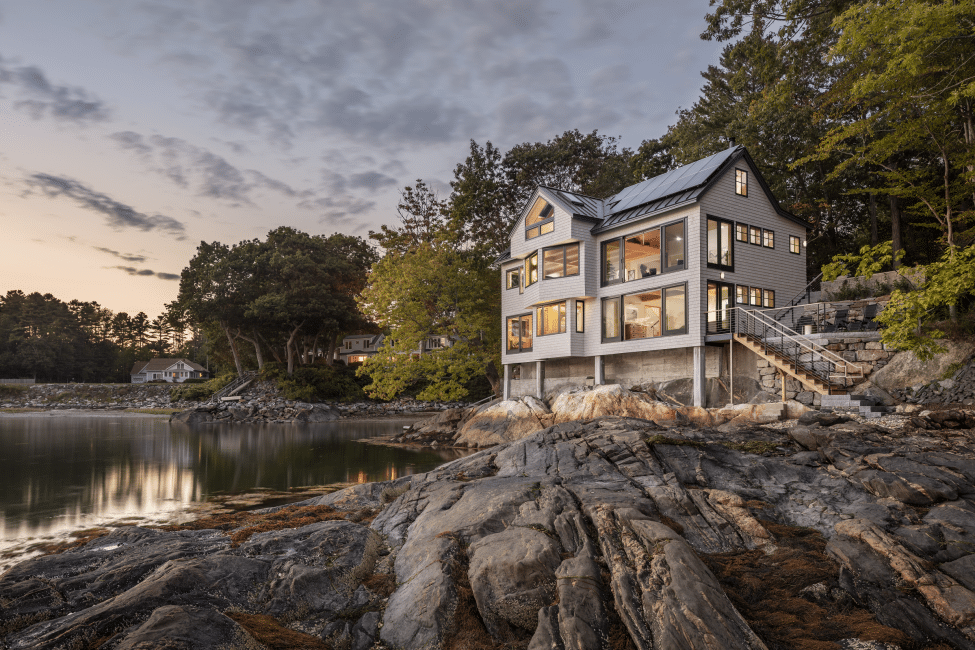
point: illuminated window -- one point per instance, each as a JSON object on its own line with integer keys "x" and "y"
{"x": 560, "y": 261}
{"x": 741, "y": 182}
{"x": 647, "y": 314}
{"x": 643, "y": 254}
{"x": 720, "y": 246}
{"x": 741, "y": 232}
{"x": 741, "y": 295}
{"x": 531, "y": 269}
{"x": 755, "y": 235}
{"x": 769, "y": 298}
{"x": 551, "y": 319}
{"x": 519, "y": 333}
{"x": 541, "y": 219}
{"x": 512, "y": 279}
{"x": 768, "y": 240}
{"x": 794, "y": 244}
{"x": 756, "y": 297}
{"x": 580, "y": 316}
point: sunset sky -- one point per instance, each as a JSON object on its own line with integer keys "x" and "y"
{"x": 131, "y": 131}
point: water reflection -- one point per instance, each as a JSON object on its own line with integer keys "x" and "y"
{"x": 64, "y": 473}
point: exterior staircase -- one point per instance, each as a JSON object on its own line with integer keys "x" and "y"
{"x": 806, "y": 361}
{"x": 235, "y": 386}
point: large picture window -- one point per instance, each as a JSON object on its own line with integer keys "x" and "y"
{"x": 647, "y": 314}
{"x": 560, "y": 261}
{"x": 531, "y": 269}
{"x": 541, "y": 219}
{"x": 721, "y": 252}
{"x": 643, "y": 254}
{"x": 551, "y": 319}
{"x": 519, "y": 333}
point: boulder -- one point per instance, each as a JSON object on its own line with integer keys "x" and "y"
{"x": 610, "y": 399}
{"x": 503, "y": 422}
{"x": 905, "y": 369}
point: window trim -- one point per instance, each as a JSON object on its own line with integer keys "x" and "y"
{"x": 543, "y": 221}
{"x": 580, "y": 317}
{"x": 539, "y": 323}
{"x": 663, "y": 314}
{"x": 507, "y": 278}
{"x": 765, "y": 233}
{"x": 739, "y": 185}
{"x": 766, "y": 302}
{"x": 621, "y": 239}
{"x": 798, "y": 243}
{"x": 752, "y": 232}
{"x": 528, "y": 276}
{"x": 565, "y": 263}
{"x": 744, "y": 227}
{"x": 719, "y": 220}
{"x": 520, "y": 335}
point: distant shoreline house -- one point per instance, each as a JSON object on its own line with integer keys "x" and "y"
{"x": 359, "y": 347}
{"x": 171, "y": 370}
{"x": 639, "y": 287}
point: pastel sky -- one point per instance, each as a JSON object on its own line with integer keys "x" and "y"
{"x": 130, "y": 131}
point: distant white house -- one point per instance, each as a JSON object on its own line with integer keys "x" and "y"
{"x": 171, "y": 370}
{"x": 359, "y": 347}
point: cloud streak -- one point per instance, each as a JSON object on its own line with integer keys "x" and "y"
{"x": 122, "y": 256}
{"x": 45, "y": 99}
{"x": 117, "y": 215}
{"x": 131, "y": 270}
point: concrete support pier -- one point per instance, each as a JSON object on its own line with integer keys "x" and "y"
{"x": 540, "y": 379}
{"x": 699, "y": 381}
{"x": 600, "y": 374}
{"x": 506, "y": 389}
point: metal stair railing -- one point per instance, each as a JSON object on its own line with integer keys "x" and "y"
{"x": 235, "y": 386}
{"x": 798, "y": 351}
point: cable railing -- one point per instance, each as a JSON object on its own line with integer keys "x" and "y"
{"x": 776, "y": 339}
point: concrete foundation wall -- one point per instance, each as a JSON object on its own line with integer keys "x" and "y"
{"x": 636, "y": 368}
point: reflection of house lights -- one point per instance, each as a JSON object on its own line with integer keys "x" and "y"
{"x": 362, "y": 478}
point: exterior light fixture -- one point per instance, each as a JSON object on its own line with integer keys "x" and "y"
{"x": 803, "y": 243}
{"x": 722, "y": 275}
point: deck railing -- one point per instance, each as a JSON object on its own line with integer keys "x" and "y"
{"x": 799, "y": 352}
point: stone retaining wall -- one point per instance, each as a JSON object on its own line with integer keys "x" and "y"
{"x": 864, "y": 349}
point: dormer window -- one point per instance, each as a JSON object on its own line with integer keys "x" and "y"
{"x": 541, "y": 219}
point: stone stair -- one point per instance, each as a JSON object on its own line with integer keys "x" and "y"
{"x": 866, "y": 406}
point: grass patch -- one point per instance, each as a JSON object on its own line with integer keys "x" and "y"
{"x": 660, "y": 439}
{"x": 381, "y": 584}
{"x": 160, "y": 411}
{"x": 758, "y": 447}
{"x": 246, "y": 524}
{"x": 13, "y": 390}
{"x": 22, "y": 410}
{"x": 269, "y": 631}
{"x": 765, "y": 589}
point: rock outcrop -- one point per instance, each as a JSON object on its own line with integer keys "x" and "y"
{"x": 581, "y": 535}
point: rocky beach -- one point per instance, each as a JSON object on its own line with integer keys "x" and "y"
{"x": 629, "y": 526}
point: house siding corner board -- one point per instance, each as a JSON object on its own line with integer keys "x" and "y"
{"x": 754, "y": 265}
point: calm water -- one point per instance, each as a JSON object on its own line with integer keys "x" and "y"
{"x": 64, "y": 473}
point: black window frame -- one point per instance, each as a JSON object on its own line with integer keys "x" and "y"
{"x": 507, "y": 278}
{"x": 744, "y": 227}
{"x": 528, "y": 276}
{"x": 731, "y": 242}
{"x": 521, "y": 337}
{"x": 621, "y": 320}
{"x": 765, "y": 233}
{"x": 539, "y": 323}
{"x": 580, "y": 317}
{"x": 798, "y": 243}
{"x": 755, "y": 233}
{"x": 621, "y": 260}
{"x": 565, "y": 258}
{"x": 543, "y": 221}
{"x": 741, "y": 182}
{"x": 766, "y": 294}
{"x": 743, "y": 290}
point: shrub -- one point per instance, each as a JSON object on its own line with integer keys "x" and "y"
{"x": 199, "y": 392}
{"x": 13, "y": 390}
{"x": 317, "y": 382}
{"x": 273, "y": 370}
{"x": 195, "y": 380}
